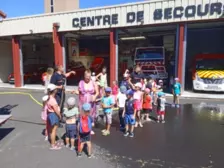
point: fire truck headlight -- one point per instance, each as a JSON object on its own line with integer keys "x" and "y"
{"x": 197, "y": 84}
{"x": 198, "y": 78}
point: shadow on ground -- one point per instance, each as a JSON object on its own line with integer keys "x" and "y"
{"x": 27, "y": 122}
{"x": 5, "y": 110}
{"x": 4, "y": 132}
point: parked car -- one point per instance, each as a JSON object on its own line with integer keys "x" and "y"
{"x": 79, "y": 68}
{"x": 31, "y": 75}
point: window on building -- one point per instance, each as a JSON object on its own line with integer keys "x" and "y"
{"x": 52, "y": 9}
{"x": 52, "y": 6}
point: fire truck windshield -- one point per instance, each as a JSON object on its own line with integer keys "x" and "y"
{"x": 149, "y": 54}
{"x": 210, "y": 64}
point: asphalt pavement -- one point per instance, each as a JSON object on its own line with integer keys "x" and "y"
{"x": 192, "y": 137}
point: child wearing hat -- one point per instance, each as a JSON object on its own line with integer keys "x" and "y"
{"x": 138, "y": 96}
{"x": 85, "y": 124}
{"x": 176, "y": 93}
{"x": 129, "y": 114}
{"x": 71, "y": 114}
{"x": 107, "y": 106}
{"x": 53, "y": 116}
{"x": 161, "y": 105}
{"x": 121, "y": 98}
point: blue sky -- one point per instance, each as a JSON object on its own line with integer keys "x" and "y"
{"x": 14, "y": 8}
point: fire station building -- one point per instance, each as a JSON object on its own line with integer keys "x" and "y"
{"x": 182, "y": 28}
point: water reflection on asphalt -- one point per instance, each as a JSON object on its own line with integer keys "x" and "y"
{"x": 213, "y": 111}
{"x": 192, "y": 137}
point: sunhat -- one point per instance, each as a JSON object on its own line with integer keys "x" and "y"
{"x": 130, "y": 92}
{"x": 45, "y": 98}
{"x": 71, "y": 101}
{"x": 123, "y": 89}
{"x": 86, "y": 107}
{"x": 51, "y": 87}
{"x": 108, "y": 89}
{"x": 138, "y": 85}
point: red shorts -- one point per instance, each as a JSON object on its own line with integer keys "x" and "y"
{"x": 160, "y": 112}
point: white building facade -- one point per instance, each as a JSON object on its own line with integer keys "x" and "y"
{"x": 143, "y": 14}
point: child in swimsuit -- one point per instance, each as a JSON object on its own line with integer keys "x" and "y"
{"x": 138, "y": 96}
{"x": 102, "y": 78}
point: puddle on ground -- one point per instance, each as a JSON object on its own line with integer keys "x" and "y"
{"x": 214, "y": 112}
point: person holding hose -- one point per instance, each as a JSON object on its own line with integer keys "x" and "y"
{"x": 58, "y": 79}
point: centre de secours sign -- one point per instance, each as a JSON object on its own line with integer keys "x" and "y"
{"x": 178, "y": 12}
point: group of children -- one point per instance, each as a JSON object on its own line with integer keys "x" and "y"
{"x": 135, "y": 103}
{"x": 77, "y": 126}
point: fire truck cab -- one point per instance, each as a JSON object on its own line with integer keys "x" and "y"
{"x": 208, "y": 72}
{"x": 152, "y": 61}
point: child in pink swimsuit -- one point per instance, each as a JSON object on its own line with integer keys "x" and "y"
{"x": 138, "y": 96}
{"x": 115, "y": 91}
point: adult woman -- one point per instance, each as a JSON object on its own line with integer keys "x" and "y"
{"x": 53, "y": 115}
{"x": 47, "y": 78}
{"x": 88, "y": 92}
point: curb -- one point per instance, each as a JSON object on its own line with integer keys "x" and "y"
{"x": 202, "y": 97}
{"x": 30, "y": 89}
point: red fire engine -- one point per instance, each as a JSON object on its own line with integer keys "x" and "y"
{"x": 152, "y": 61}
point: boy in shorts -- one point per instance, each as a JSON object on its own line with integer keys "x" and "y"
{"x": 85, "y": 124}
{"x": 107, "y": 106}
{"x": 129, "y": 114}
{"x": 176, "y": 93}
{"x": 71, "y": 114}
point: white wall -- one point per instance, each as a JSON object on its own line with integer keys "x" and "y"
{"x": 43, "y": 23}
{"x": 6, "y": 64}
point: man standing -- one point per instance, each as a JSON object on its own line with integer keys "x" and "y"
{"x": 58, "y": 78}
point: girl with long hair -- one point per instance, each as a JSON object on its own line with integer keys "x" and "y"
{"x": 53, "y": 115}
{"x": 47, "y": 78}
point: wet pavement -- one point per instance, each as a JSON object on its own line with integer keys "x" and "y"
{"x": 192, "y": 137}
